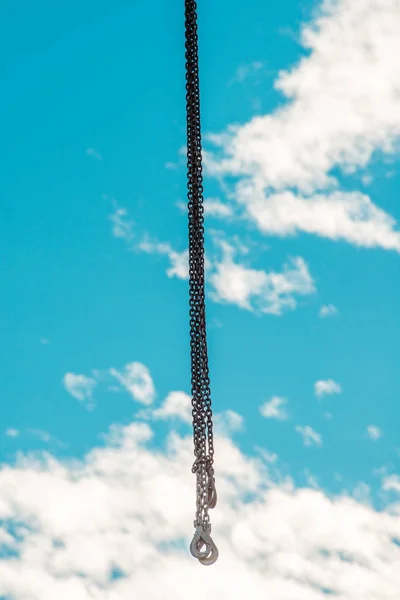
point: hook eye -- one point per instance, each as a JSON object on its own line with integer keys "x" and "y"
{"x": 210, "y": 560}
{"x": 201, "y": 538}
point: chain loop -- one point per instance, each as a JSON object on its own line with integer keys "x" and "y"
{"x": 206, "y": 496}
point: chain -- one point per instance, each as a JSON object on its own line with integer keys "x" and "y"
{"x": 202, "y": 546}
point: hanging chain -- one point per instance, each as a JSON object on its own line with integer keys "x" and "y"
{"x": 202, "y": 546}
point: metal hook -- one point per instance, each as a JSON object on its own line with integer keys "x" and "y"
{"x": 209, "y": 560}
{"x": 202, "y": 538}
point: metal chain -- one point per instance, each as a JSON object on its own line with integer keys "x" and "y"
{"x": 202, "y": 546}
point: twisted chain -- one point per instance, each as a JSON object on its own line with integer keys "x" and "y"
{"x": 200, "y": 381}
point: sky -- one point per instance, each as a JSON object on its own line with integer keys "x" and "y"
{"x": 301, "y": 129}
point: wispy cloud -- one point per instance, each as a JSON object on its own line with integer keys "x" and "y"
{"x": 326, "y": 388}
{"x": 230, "y": 281}
{"x": 123, "y": 226}
{"x": 328, "y": 310}
{"x": 309, "y": 436}
{"x": 80, "y": 387}
{"x": 391, "y": 483}
{"x": 171, "y": 166}
{"x": 246, "y": 71}
{"x": 374, "y": 432}
{"x": 178, "y": 261}
{"x": 257, "y": 290}
{"x": 228, "y": 422}
{"x": 44, "y": 437}
{"x": 41, "y": 435}
{"x": 275, "y": 409}
{"x": 176, "y": 405}
{"x": 92, "y": 152}
{"x": 133, "y": 377}
{"x": 11, "y": 432}
{"x": 269, "y": 457}
{"x": 214, "y": 207}
{"x": 136, "y": 379}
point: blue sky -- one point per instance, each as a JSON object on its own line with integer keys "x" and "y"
{"x": 301, "y": 128}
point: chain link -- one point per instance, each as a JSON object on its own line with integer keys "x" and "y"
{"x": 206, "y": 496}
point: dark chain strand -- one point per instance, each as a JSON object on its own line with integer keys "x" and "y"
{"x": 200, "y": 381}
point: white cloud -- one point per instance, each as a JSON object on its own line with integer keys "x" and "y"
{"x": 122, "y": 225}
{"x": 274, "y": 409}
{"x": 328, "y": 310}
{"x": 374, "y": 432}
{"x": 391, "y": 483}
{"x": 348, "y": 216}
{"x": 79, "y": 386}
{"x": 178, "y": 264}
{"x": 342, "y": 108}
{"x": 232, "y": 282}
{"x": 176, "y": 404}
{"x": 214, "y": 207}
{"x": 179, "y": 405}
{"x": 127, "y": 508}
{"x": 256, "y": 290}
{"x": 228, "y": 422}
{"x": 326, "y": 387}
{"x": 136, "y": 379}
{"x": 178, "y": 260}
{"x": 310, "y": 437}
